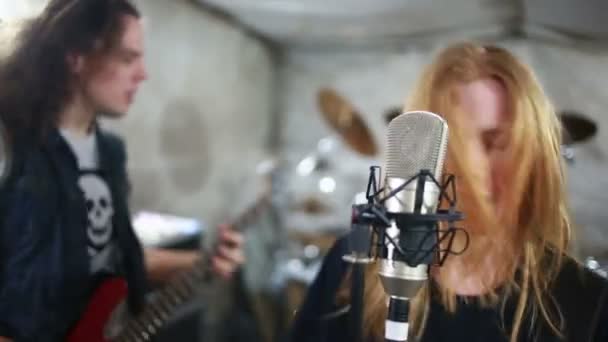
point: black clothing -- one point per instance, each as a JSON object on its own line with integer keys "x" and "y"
{"x": 580, "y": 293}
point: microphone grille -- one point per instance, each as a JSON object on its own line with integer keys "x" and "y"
{"x": 416, "y": 140}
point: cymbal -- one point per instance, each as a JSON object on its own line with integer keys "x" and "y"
{"x": 577, "y": 128}
{"x": 346, "y": 121}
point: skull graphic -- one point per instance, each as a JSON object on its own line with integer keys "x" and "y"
{"x": 99, "y": 210}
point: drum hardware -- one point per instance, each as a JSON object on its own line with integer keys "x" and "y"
{"x": 592, "y": 264}
{"x": 324, "y": 182}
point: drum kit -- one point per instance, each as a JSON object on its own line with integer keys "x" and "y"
{"x": 323, "y": 184}
{"x": 317, "y": 194}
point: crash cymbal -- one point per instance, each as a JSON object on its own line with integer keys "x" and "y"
{"x": 577, "y": 128}
{"x": 346, "y": 121}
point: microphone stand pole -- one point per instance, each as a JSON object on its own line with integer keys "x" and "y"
{"x": 360, "y": 245}
{"x": 358, "y": 288}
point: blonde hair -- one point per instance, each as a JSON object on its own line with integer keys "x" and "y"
{"x": 533, "y": 231}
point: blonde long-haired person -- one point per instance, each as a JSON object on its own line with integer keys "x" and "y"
{"x": 516, "y": 281}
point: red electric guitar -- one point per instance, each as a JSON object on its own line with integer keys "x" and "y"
{"x": 105, "y": 318}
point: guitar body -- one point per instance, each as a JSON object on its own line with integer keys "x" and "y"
{"x": 106, "y": 299}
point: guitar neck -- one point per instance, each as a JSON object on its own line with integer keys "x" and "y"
{"x": 185, "y": 286}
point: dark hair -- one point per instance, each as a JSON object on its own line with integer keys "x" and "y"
{"x": 35, "y": 81}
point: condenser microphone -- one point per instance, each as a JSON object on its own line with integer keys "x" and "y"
{"x": 416, "y": 148}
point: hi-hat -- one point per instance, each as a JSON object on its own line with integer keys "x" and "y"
{"x": 347, "y": 122}
{"x": 577, "y": 128}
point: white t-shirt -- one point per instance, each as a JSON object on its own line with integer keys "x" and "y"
{"x": 100, "y": 209}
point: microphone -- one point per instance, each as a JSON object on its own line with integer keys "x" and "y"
{"x": 416, "y": 148}
{"x": 399, "y": 224}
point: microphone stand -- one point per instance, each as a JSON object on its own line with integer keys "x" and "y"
{"x": 364, "y": 219}
{"x": 359, "y": 239}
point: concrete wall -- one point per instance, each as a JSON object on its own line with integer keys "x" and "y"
{"x": 375, "y": 81}
{"x": 201, "y": 122}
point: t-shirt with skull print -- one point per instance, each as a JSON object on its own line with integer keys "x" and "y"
{"x": 100, "y": 210}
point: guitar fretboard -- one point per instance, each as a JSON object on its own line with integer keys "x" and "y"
{"x": 183, "y": 288}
